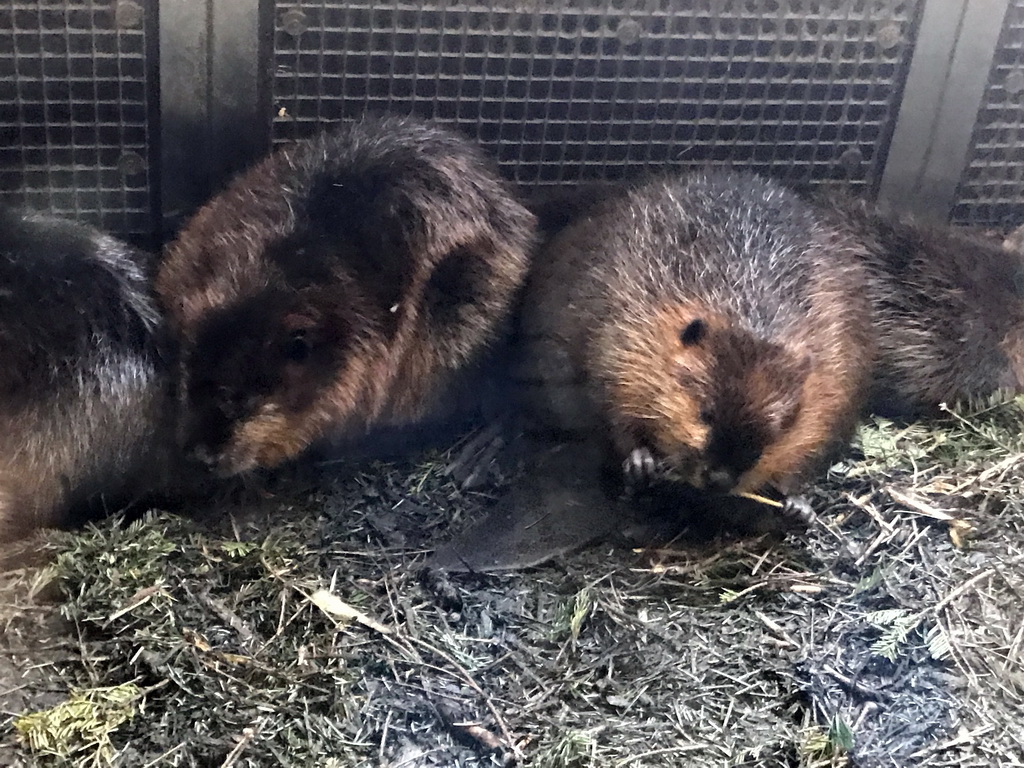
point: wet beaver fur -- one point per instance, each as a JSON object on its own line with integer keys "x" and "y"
{"x": 340, "y": 284}
{"x": 947, "y": 305}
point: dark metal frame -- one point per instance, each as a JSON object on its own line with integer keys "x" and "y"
{"x": 212, "y": 88}
{"x": 215, "y": 73}
{"x": 943, "y": 93}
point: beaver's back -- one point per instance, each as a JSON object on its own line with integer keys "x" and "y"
{"x": 735, "y": 239}
{"x": 81, "y": 382}
{"x": 948, "y": 306}
{"x": 754, "y": 251}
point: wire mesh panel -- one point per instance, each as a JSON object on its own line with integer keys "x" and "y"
{"x": 75, "y": 97}
{"x": 561, "y": 90}
{"x": 992, "y": 188}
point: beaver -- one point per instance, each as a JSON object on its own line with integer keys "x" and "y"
{"x": 341, "y": 283}
{"x": 82, "y": 417}
{"x": 709, "y": 323}
{"x": 948, "y": 305}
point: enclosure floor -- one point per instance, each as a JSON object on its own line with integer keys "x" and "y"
{"x": 887, "y": 635}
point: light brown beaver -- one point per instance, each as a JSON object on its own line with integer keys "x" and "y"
{"x": 712, "y": 322}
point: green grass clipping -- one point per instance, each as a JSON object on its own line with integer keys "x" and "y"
{"x": 80, "y": 727}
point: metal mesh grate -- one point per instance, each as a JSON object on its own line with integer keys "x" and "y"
{"x": 559, "y": 90}
{"x": 992, "y": 188}
{"x": 75, "y": 90}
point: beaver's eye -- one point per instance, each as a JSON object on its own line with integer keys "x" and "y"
{"x": 693, "y": 333}
{"x": 707, "y": 416}
{"x": 298, "y": 347}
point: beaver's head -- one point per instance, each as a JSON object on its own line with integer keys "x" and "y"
{"x": 384, "y": 252}
{"x": 705, "y": 396}
{"x": 266, "y": 375}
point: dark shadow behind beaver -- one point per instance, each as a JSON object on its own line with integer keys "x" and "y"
{"x": 342, "y": 283}
{"x": 84, "y": 426}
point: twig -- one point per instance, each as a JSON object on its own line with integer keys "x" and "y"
{"x": 761, "y": 499}
{"x": 777, "y": 629}
{"x": 871, "y": 512}
{"x": 234, "y": 754}
{"x": 972, "y": 428}
{"x": 332, "y": 605}
{"x": 159, "y": 759}
{"x": 917, "y": 505}
{"x": 384, "y": 736}
{"x": 682, "y": 748}
{"x": 141, "y": 597}
{"x": 505, "y": 732}
{"x": 960, "y": 590}
{"x": 473, "y": 731}
{"x": 229, "y": 617}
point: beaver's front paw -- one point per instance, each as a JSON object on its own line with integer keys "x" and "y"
{"x": 798, "y": 508}
{"x": 639, "y": 469}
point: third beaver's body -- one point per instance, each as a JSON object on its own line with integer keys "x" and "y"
{"x": 712, "y": 322}
{"x": 948, "y": 309}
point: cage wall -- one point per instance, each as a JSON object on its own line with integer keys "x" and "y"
{"x": 562, "y": 91}
{"x": 991, "y": 191}
{"x": 78, "y": 99}
{"x": 129, "y": 114}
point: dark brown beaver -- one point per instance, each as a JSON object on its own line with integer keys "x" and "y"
{"x": 711, "y": 322}
{"x": 948, "y": 307}
{"x": 339, "y": 284}
{"x": 82, "y": 385}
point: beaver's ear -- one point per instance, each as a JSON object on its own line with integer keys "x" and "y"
{"x": 693, "y": 333}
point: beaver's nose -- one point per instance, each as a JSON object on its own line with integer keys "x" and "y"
{"x": 719, "y": 480}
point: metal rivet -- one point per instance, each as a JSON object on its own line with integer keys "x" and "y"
{"x": 889, "y": 36}
{"x": 851, "y": 160}
{"x": 131, "y": 163}
{"x": 295, "y": 22}
{"x": 128, "y": 15}
{"x": 1014, "y": 82}
{"x": 629, "y": 32}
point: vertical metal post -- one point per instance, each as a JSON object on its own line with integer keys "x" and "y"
{"x": 184, "y": 119}
{"x": 238, "y": 131}
{"x": 210, "y": 82}
{"x": 943, "y": 93}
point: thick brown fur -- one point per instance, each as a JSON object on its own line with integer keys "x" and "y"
{"x": 948, "y": 307}
{"x": 82, "y": 384}
{"x": 339, "y": 284}
{"x": 711, "y": 320}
